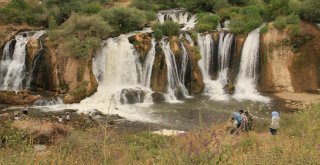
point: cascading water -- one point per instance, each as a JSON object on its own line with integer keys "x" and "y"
{"x": 247, "y": 77}
{"x": 12, "y": 65}
{"x": 184, "y": 63}
{"x": 174, "y": 84}
{"x": 189, "y": 39}
{"x": 215, "y": 89}
{"x": 122, "y": 80}
{"x": 179, "y": 16}
{"x": 148, "y": 64}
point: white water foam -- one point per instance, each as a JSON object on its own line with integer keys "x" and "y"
{"x": 247, "y": 77}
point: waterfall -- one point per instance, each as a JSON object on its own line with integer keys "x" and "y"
{"x": 148, "y": 64}
{"x": 206, "y": 46}
{"x": 122, "y": 78}
{"x": 179, "y": 16}
{"x": 184, "y": 63}
{"x": 247, "y": 77}
{"x": 174, "y": 84}
{"x": 189, "y": 39}
{"x": 215, "y": 88}
{"x": 12, "y": 65}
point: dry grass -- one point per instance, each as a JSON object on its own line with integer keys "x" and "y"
{"x": 296, "y": 143}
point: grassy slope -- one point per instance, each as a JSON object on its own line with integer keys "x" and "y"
{"x": 297, "y": 143}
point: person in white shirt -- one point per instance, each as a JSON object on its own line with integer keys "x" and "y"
{"x": 275, "y": 122}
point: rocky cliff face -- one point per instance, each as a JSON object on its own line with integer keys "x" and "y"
{"x": 290, "y": 64}
{"x": 159, "y": 71}
{"x": 69, "y": 75}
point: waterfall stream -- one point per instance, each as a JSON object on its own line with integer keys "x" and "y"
{"x": 247, "y": 77}
{"x": 148, "y": 64}
{"x": 174, "y": 84}
{"x": 179, "y": 16}
{"x": 215, "y": 88}
{"x": 12, "y": 65}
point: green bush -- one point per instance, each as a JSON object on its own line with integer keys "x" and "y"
{"x": 91, "y": 8}
{"x": 203, "y": 5}
{"x": 294, "y": 29}
{"x": 280, "y": 22}
{"x": 293, "y": 19}
{"x": 207, "y": 22}
{"x": 310, "y": 10}
{"x": 144, "y": 5}
{"x": 19, "y": 11}
{"x": 168, "y": 28}
{"x": 82, "y": 34}
{"x": 123, "y": 19}
{"x": 244, "y": 20}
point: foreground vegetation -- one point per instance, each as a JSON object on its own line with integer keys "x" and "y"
{"x": 296, "y": 143}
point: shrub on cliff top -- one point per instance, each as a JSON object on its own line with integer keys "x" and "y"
{"x": 310, "y": 10}
{"x": 207, "y": 22}
{"x": 168, "y": 28}
{"x": 124, "y": 20}
{"x": 81, "y": 34}
{"x": 19, "y": 11}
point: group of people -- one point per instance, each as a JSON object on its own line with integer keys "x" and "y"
{"x": 244, "y": 121}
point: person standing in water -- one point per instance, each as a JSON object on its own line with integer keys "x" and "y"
{"x": 275, "y": 122}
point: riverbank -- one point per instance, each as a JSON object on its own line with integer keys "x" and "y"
{"x": 296, "y": 143}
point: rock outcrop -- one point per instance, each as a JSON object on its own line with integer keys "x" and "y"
{"x": 32, "y": 47}
{"x": 290, "y": 64}
{"x": 17, "y": 98}
{"x": 194, "y": 79}
{"x": 142, "y": 44}
{"x": 276, "y": 60}
{"x": 159, "y": 71}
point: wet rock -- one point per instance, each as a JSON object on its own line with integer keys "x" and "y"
{"x": 179, "y": 93}
{"x": 17, "y": 98}
{"x": 32, "y": 47}
{"x": 159, "y": 71}
{"x": 132, "y": 96}
{"x": 142, "y": 44}
{"x": 194, "y": 79}
{"x": 158, "y": 97}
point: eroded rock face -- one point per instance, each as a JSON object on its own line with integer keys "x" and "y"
{"x": 32, "y": 47}
{"x": 17, "y": 98}
{"x": 132, "y": 96}
{"x": 142, "y": 44}
{"x": 277, "y": 60}
{"x": 158, "y": 97}
{"x": 159, "y": 71}
{"x": 194, "y": 79}
{"x": 285, "y": 68}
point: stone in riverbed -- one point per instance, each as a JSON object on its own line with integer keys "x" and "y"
{"x": 158, "y": 97}
{"x": 132, "y": 96}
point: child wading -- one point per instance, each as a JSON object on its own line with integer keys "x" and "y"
{"x": 274, "y": 123}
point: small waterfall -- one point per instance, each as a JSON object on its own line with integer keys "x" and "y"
{"x": 121, "y": 77}
{"x": 179, "y": 16}
{"x": 189, "y": 39}
{"x": 184, "y": 63}
{"x": 148, "y": 64}
{"x": 215, "y": 88}
{"x": 48, "y": 102}
{"x": 206, "y": 46}
{"x": 247, "y": 77}
{"x": 12, "y": 65}
{"x": 174, "y": 84}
